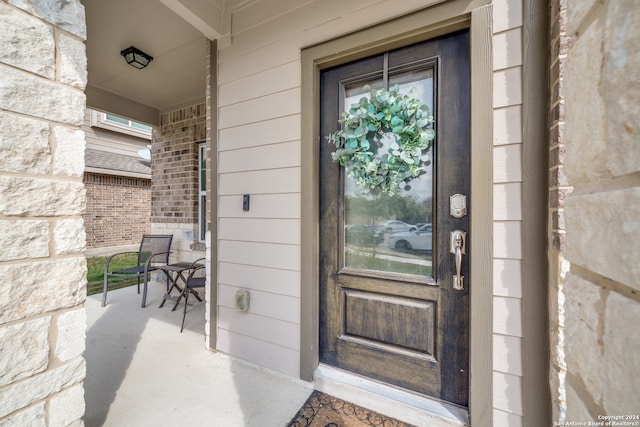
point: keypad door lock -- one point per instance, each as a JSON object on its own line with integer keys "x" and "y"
{"x": 458, "y": 205}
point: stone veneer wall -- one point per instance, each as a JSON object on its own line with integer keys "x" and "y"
{"x": 174, "y": 187}
{"x": 118, "y": 210}
{"x": 595, "y": 209}
{"x": 42, "y": 268}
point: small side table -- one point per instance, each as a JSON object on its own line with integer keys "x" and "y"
{"x": 174, "y": 273}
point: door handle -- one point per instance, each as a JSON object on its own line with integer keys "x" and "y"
{"x": 458, "y": 248}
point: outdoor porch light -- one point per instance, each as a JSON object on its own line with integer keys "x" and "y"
{"x": 136, "y": 58}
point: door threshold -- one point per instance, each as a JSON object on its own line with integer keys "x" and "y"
{"x": 403, "y": 405}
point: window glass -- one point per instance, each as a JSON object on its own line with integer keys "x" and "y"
{"x": 202, "y": 194}
{"x": 141, "y": 126}
{"x": 117, "y": 119}
{"x": 203, "y": 167}
{"x": 120, "y": 124}
{"x": 391, "y": 234}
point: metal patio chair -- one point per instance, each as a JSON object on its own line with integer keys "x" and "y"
{"x": 191, "y": 284}
{"x": 154, "y": 251}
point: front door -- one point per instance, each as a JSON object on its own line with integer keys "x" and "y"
{"x": 390, "y": 309}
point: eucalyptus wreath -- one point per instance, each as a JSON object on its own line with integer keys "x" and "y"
{"x": 359, "y": 142}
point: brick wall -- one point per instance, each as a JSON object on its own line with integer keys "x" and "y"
{"x": 174, "y": 192}
{"x": 42, "y": 266}
{"x": 174, "y": 188}
{"x": 118, "y": 210}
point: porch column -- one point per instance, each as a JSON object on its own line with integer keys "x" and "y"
{"x": 42, "y": 268}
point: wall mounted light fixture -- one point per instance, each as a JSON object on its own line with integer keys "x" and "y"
{"x": 136, "y": 58}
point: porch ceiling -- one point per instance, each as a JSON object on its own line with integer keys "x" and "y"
{"x": 174, "y": 32}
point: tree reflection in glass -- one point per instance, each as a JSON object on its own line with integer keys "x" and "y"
{"x": 391, "y": 233}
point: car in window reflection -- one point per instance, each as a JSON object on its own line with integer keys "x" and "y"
{"x": 393, "y": 226}
{"x": 363, "y": 234}
{"x": 420, "y": 239}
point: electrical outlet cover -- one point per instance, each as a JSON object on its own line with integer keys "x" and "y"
{"x": 242, "y": 300}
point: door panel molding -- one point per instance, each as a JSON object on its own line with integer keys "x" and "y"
{"x": 420, "y": 337}
{"x": 423, "y": 25}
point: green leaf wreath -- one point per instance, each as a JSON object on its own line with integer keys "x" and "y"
{"x": 359, "y": 146}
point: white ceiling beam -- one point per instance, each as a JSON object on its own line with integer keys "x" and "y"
{"x": 204, "y": 15}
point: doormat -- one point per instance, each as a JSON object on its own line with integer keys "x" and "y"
{"x": 322, "y": 410}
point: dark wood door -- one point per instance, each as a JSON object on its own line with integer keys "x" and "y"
{"x": 389, "y": 310}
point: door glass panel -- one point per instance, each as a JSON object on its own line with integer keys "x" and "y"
{"x": 391, "y": 234}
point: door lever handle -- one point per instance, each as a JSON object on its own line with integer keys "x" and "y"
{"x": 458, "y": 248}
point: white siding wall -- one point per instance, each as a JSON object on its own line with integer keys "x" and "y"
{"x": 507, "y": 213}
{"x": 259, "y": 250}
{"x": 259, "y": 103}
{"x": 259, "y": 154}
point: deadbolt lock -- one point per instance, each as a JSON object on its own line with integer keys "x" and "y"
{"x": 458, "y": 205}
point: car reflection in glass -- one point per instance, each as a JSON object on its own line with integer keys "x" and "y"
{"x": 420, "y": 239}
{"x": 393, "y": 226}
{"x": 364, "y": 234}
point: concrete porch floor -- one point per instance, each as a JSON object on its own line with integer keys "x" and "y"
{"x": 141, "y": 371}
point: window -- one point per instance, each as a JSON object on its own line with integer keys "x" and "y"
{"x": 202, "y": 190}
{"x": 392, "y": 233}
{"x": 120, "y": 124}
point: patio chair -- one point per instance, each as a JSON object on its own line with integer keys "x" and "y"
{"x": 154, "y": 251}
{"x": 191, "y": 284}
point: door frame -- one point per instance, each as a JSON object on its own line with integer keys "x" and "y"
{"x": 436, "y": 363}
{"x": 422, "y": 25}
